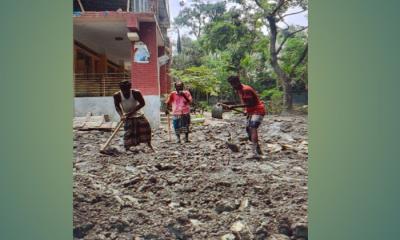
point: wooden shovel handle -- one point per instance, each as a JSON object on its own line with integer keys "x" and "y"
{"x": 169, "y": 127}
{"x": 119, "y": 125}
{"x": 233, "y": 109}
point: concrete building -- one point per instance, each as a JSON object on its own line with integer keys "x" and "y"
{"x": 116, "y": 40}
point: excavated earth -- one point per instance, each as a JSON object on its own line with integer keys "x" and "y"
{"x": 198, "y": 190}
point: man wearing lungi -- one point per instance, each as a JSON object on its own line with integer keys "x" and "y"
{"x": 128, "y": 103}
{"x": 180, "y": 101}
{"x": 255, "y": 110}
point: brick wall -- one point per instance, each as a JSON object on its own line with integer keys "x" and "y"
{"x": 145, "y": 75}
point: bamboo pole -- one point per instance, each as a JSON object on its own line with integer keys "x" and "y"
{"x": 81, "y": 6}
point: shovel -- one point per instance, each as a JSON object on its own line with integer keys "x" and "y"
{"x": 102, "y": 149}
{"x": 169, "y": 127}
{"x": 218, "y": 110}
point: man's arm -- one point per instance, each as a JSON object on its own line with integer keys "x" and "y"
{"x": 250, "y": 102}
{"x": 168, "y": 104}
{"x": 188, "y": 97}
{"x": 117, "y": 102}
{"x": 253, "y": 101}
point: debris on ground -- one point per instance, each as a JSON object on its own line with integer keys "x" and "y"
{"x": 90, "y": 122}
{"x": 198, "y": 190}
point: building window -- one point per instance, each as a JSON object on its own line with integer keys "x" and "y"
{"x": 140, "y": 5}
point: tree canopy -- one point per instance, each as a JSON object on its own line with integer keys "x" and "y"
{"x": 251, "y": 39}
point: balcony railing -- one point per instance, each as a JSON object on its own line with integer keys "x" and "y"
{"x": 143, "y": 6}
{"x": 98, "y": 84}
{"x": 115, "y": 5}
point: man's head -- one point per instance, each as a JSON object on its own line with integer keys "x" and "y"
{"x": 235, "y": 82}
{"x": 179, "y": 86}
{"x": 125, "y": 86}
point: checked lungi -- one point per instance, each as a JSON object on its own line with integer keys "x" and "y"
{"x": 253, "y": 121}
{"x": 137, "y": 130}
{"x": 181, "y": 123}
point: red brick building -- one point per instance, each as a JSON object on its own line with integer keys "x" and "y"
{"x": 120, "y": 39}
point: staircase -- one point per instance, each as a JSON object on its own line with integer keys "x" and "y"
{"x": 163, "y": 118}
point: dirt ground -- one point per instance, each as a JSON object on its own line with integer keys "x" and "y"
{"x": 199, "y": 190}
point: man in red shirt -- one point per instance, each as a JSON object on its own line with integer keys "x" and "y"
{"x": 255, "y": 110}
{"x": 180, "y": 101}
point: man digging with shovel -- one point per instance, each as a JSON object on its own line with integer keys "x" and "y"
{"x": 128, "y": 103}
{"x": 255, "y": 110}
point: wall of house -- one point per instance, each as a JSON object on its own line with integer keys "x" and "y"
{"x": 105, "y": 105}
{"x": 145, "y": 76}
{"x": 95, "y": 105}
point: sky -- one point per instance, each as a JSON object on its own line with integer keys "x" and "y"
{"x": 174, "y": 8}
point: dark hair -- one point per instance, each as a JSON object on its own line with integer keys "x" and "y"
{"x": 179, "y": 82}
{"x": 125, "y": 83}
{"x": 233, "y": 78}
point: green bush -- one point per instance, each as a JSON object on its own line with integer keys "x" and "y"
{"x": 199, "y": 116}
{"x": 204, "y": 105}
{"x": 268, "y": 93}
{"x": 274, "y": 100}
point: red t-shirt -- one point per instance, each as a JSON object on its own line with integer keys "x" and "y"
{"x": 249, "y": 96}
{"x": 179, "y": 104}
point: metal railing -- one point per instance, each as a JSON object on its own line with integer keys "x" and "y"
{"x": 90, "y": 6}
{"x": 98, "y": 84}
{"x": 139, "y": 6}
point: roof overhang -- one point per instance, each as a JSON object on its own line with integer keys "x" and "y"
{"x": 104, "y": 35}
{"x": 107, "y": 32}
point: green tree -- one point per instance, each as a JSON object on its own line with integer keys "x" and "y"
{"x": 234, "y": 42}
{"x": 179, "y": 44}
{"x": 274, "y": 12}
{"x": 201, "y": 80}
{"x": 190, "y": 55}
{"x": 198, "y": 14}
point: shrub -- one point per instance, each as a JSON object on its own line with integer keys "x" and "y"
{"x": 274, "y": 100}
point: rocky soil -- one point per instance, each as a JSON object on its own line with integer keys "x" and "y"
{"x": 200, "y": 190}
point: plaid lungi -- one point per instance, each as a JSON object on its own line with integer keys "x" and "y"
{"x": 181, "y": 123}
{"x": 137, "y": 130}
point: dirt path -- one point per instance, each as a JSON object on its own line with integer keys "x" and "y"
{"x": 190, "y": 191}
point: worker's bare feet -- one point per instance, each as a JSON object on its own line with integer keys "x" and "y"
{"x": 151, "y": 148}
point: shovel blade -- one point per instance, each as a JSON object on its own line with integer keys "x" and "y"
{"x": 217, "y": 111}
{"x": 233, "y": 147}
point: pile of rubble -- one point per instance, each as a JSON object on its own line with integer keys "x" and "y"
{"x": 200, "y": 190}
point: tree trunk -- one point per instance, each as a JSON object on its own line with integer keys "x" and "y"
{"x": 285, "y": 78}
{"x": 287, "y": 97}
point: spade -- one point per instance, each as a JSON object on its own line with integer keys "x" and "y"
{"x": 219, "y": 108}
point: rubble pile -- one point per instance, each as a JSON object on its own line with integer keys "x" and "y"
{"x": 199, "y": 190}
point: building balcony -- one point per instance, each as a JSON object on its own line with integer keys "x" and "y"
{"x": 158, "y": 7}
{"x": 98, "y": 84}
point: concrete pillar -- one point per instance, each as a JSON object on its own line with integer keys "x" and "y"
{"x": 145, "y": 76}
{"x": 163, "y": 73}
